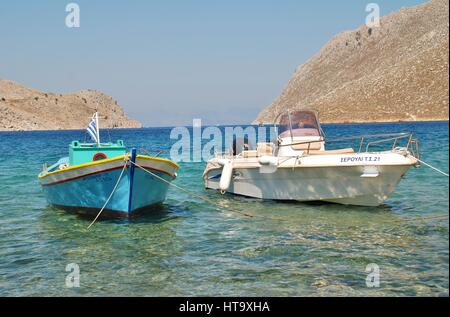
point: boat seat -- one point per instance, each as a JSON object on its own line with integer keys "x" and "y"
{"x": 331, "y": 152}
{"x": 264, "y": 149}
{"x": 251, "y": 153}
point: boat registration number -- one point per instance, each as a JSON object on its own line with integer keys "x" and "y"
{"x": 360, "y": 159}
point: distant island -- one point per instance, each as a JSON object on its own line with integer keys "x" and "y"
{"x": 395, "y": 72}
{"x": 23, "y": 109}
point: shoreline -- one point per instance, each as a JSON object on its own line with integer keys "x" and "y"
{"x": 250, "y": 124}
{"x": 370, "y": 121}
{"x": 385, "y": 121}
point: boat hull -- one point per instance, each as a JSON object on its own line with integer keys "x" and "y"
{"x": 361, "y": 185}
{"x": 86, "y": 190}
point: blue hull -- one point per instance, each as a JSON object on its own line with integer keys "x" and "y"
{"x": 88, "y": 194}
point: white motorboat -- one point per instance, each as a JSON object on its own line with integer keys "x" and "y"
{"x": 298, "y": 167}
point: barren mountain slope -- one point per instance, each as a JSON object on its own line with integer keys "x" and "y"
{"x": 22, "y": 108}
{"x": 398, "y": 71}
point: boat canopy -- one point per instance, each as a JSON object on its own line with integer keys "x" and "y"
{"x": 299, "y": 123}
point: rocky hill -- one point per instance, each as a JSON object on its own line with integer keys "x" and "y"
{"x": 395, "y": 72}
{"x": 23, "y": 108}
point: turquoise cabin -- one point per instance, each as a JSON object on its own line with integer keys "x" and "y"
{"x": 80, "y": 153}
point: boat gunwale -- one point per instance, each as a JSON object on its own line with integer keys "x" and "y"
{"x": 104, "y": 171}
{"x": 257, "y": 165}
{"x": 117, "y": 158}
{"x": 157, "y": 159}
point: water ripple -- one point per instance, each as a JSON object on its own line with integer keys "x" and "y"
{"x": 191, "y": 248}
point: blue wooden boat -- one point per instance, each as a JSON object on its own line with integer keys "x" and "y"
{"x": 96, "y": 173}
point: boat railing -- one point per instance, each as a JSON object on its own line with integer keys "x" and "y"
{"x": 411, "y": 145}
{"x": 366, "y": 142}
{"x": 224, "y": 155}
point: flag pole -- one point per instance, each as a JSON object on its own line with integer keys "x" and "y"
{"x": 98, "y": 129}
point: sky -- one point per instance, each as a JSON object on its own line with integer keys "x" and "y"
{"x": 167, "y": 62}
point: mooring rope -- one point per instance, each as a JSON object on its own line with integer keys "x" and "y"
{"x": 112, "y": 193}
{"x": 189, "y": 192}
{"x": 220, "y": 207}
{"x": 432, "y": 167}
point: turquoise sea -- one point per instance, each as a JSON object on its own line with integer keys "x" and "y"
{"x": 190, "y": 248}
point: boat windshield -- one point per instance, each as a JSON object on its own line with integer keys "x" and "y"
{"x": 298, "y": 123}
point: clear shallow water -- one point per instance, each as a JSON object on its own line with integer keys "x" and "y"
{"x": 190, "y": 248}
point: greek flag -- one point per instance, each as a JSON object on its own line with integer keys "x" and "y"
{"x": 92, "y": 128}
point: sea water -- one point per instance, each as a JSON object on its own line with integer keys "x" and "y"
{"x": 188, "y": 247}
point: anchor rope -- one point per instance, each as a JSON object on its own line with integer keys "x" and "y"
{"x": 110, "y": 195}
{"x": 188, "y": 191}
{"x": 432, "y": 167}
